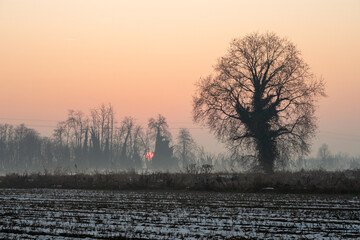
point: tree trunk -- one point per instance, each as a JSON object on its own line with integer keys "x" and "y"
{"x": 267, "y": 154}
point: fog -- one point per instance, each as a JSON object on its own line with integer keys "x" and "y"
{"x": 98, "y": 142}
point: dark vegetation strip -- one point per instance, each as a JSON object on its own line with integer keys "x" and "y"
{"x": 70, "y": 235}
{"x": 282, "y": 182}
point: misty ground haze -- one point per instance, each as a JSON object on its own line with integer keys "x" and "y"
{"x": 99, "y": 142}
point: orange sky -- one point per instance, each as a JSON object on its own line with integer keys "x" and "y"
{"x": 145, "y": 56}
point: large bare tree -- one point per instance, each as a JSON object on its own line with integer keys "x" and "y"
{"x": 261, "y": 97}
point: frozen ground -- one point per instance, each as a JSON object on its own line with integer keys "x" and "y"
{"x": 79, "y": 214}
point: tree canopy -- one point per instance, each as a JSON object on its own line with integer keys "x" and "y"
{"x": 261, "y": 97}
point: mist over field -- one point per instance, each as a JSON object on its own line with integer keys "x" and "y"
{"x": 98, "y": 142}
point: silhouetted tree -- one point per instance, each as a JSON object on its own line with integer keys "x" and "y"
{"x": 138, "y": 148}
{"x": 101, "y": 132}
{"x": 163, "y": 154}
{"x": 60, "y": 133}
{"x": 324, "y": 152}
{"x": 128, "y": 124}
{"x": 28, "y": 148}
{"x": 22, "y": 149}
{"x": 77, "y": 126}
{"x": 159, "y": 126}
{"x": 261, "y": 97}
{"x": 185, "y": 148}
{"x": 47, "y": 153}
{"x": 6, "y": 138}
{"x": 327, "y": 160}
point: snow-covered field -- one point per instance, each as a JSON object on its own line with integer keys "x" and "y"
{"x": 72, "y": 214}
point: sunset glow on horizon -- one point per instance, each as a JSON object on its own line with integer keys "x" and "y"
{"x": 144, "y": 57}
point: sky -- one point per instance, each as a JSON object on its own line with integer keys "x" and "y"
{"x": 144, "y": 57}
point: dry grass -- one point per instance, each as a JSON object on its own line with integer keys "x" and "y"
{"x": 287, "y": 182}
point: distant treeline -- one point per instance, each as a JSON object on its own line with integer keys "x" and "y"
{"x": 96, "y": 141}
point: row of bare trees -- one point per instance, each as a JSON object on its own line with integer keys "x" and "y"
{"x": 98, "y": 141}
{"x": 21, "y": 147}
